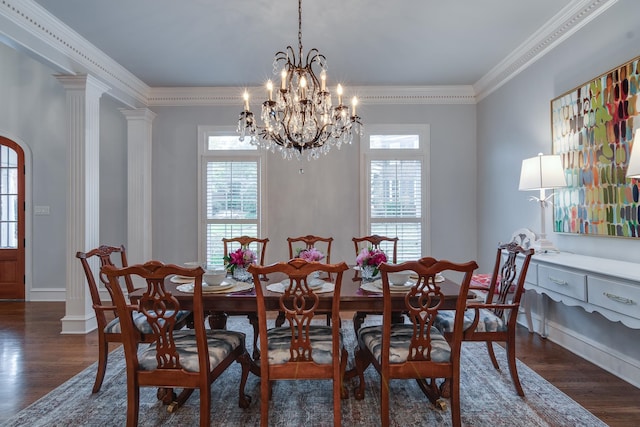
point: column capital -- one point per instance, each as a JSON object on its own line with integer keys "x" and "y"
{"x": 82, "y": 82}
{"x": 138, "y": 114}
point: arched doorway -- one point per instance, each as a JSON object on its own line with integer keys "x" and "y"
{"x": 12, "y": 220}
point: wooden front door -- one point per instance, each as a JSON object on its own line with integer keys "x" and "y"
{"x": 12, "y": 212}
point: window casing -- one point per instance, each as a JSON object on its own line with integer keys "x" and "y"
{"x": 395, "y": 174}
{"x": 230, "y": 193}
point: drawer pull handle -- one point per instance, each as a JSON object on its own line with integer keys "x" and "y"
{"x": 558, "y": 281}
{"x": 618, "y": 298}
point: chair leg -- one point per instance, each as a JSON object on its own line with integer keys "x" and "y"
{"x": 103, "y": 354}
{"x": 384, "y": 401}
{"x": 344, "y": 393}
{"x": 265, "y": 396}
{"x": 492, "y": 355}
{"x": 133, "y": 402}
{"x": 361, "y": 364}
{"x": 455, "y": 402}
{"x": 253, "y": 320}
{"x": 245, "y": 361}
{"x": 513, "y": 370}
{"x": 205, "y": 405}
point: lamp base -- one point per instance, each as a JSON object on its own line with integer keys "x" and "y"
{"x": 543, "y": 245}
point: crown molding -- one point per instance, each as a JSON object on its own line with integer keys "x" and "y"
{"x": 211, "y": 96}
{"x": 29, "y": 27}
{"x": 26, "y": 26}
{"x": 570, "y": 19}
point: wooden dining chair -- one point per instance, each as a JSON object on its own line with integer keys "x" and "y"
{"x": 389, "y": 245}
{"x": 495, "y": 319}
{"x": 415, "y": 350}
{"x": 189, "y": 359}
{"x": 259, "y": 246}
{"x": 109, "y": 327}
{"x": 301, "y": 349}
{"x": 323, "y": 244}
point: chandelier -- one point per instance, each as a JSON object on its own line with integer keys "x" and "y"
{"x": 299, "y": 117}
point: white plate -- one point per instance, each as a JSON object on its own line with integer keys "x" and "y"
{"x": 227, "y": 286}
{"x": 182, "y": 279}
{"x": 279, "y": 287}
{"x": 393, "y": 287}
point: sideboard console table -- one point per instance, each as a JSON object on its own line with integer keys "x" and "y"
{"x": 606, "y": 286}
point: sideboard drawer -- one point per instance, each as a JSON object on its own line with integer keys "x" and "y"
{"x": 616, "y": 296}
{"x": 563, "y": 282}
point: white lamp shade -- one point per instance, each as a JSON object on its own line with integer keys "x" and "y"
{"x": 541, "y": 172}
{"x": 633, "y": 169}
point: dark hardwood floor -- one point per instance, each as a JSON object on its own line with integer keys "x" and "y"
{"x": 35, "y": 358}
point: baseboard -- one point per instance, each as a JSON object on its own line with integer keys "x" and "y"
{"x": 47, "y": 294}
{"x": 620, "y": 365}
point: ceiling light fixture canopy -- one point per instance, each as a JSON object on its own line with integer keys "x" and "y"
{"x": 299, "y": 116}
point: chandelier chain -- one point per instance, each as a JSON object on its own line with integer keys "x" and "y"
{"x": 300, "y": 27}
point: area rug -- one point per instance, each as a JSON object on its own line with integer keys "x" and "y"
{"x": 488, "y": 398}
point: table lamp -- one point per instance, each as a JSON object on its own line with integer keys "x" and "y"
{"x": 633, "y": 169}
{"x": 541, "y": 173}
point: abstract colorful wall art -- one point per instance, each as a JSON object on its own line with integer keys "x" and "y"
{"x": 592, "y": 129}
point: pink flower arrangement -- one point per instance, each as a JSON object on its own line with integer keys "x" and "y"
{"x": 371, "y": 257}
{"x": 242, "y": 258}
{"x": 310, "y": 255}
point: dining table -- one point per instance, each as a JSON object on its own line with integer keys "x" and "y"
{"x": 353, "y": 298}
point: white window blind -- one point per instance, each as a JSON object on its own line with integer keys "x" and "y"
{"x": 230, "y": 191}
{"x": 395, "y": 164}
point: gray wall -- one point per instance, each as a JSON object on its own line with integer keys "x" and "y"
{"x": 32, "y": 113}
{"x": 325, "y": 199}
{"x": 514, "y": 123}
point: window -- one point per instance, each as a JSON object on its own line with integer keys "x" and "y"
{"x": 230, "y": 194}
{"x": 396, "y": 175}
{"x": 8, "y": 197}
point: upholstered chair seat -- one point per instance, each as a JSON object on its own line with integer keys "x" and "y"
{"x": 488, "y": 321}
{"x": 221, "y": 344}
{"x": 140, "y": 322}
{"x": 370, "y": 337}
{"x": 279, "y": 343}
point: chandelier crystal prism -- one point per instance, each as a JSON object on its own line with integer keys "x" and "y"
{"x": 299, "y": 117}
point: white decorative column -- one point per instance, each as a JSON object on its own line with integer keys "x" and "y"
{"x": 83, "y": 202}
{"x": 139, "y": 131}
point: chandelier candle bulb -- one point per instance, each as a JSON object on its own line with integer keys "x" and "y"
{"x": 246, "y": 100}
{"x": 354, "y": 102}
{"x": 339, "y": 90}
{"x": 284, "y": 79}
{"x": 323, "y": 81}
{"x": 303, "y": 86}
{"x": 270, "y": 90}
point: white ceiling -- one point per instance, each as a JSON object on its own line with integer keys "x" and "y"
{"x": 231, "y": 43}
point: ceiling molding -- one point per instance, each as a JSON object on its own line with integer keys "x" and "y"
{"x": 570, "y": 19}
{"x": 190, "y": 96}
{"x": 31, "y": 28}
{"x": 27, "y": 26}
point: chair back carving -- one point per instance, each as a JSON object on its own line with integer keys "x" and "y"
{"x": 507, "y": 283}
{"x": 105, "y": 255}
{"x": 389, "y": 245}
{"x": 323, "y": 244}
{"x": 259, "y": 246}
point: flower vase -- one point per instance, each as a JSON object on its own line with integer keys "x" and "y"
{"x": 368, "y": 272}
{"x": 241, "y": 274}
